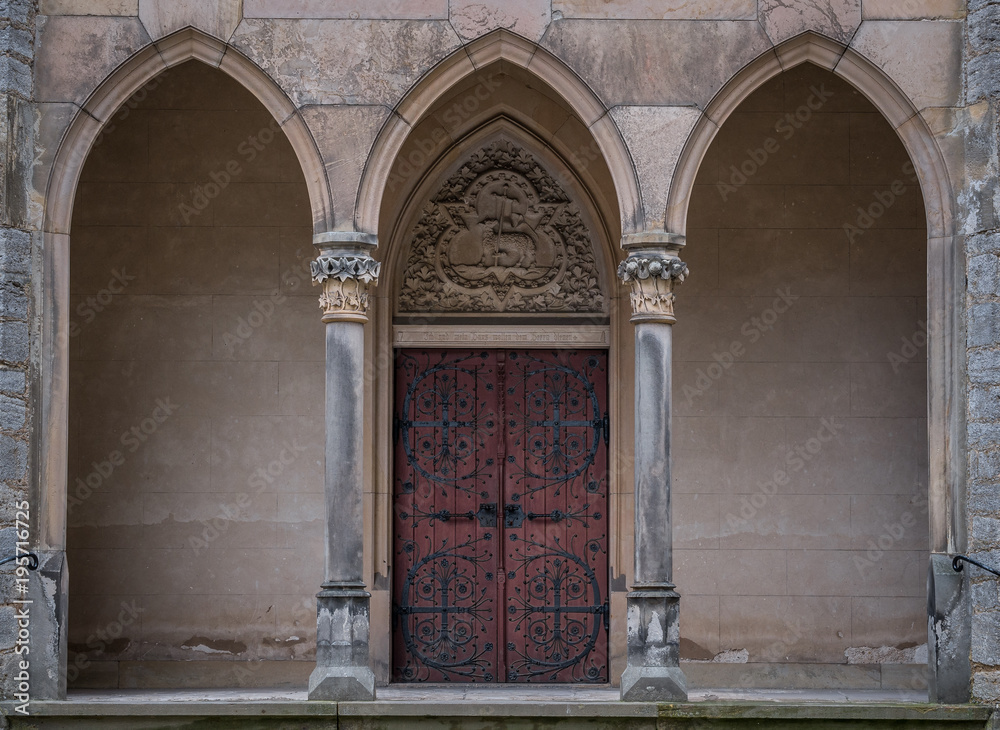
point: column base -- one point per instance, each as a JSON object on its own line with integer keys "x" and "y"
{"x": 653, "y": 672}
{"x": 949, "y": 637}
{"x": 654, "y": 684}
{"x": 341, "y": 684}
{"x": 342, "y": 670}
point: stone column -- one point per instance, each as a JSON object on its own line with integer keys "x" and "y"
{"x": 347, "y": 272}
{"x": 653, "y": 671}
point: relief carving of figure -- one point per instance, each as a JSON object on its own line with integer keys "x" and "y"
{"x": 500, "y": 237}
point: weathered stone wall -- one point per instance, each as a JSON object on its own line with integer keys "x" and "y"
{"x": 196, "y": 401}
{"x": 800, "y": 466}
{"x": 17, "y": 341}
{"x": 981, "y": 227}
{"x": 657, "y": 67}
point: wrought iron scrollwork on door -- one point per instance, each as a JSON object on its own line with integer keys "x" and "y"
{"x": 443, "y": 610}
{"x": 556, "y": 542}
{"x": 559, "y": 417}
{"x": 514, "y": 515}
{"x": 444, "y": 423}
{"x": 480, "y": 599}
{"x": 486, "y": 514}
{"x": 445, "y": 517}
{"x": 558, "y": 606}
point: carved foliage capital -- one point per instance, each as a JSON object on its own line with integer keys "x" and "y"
{"x": 346, "y": 283}
{"x": 652, "y": 280}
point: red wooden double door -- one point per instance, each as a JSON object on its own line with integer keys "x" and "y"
{"x": 500, "y": 516}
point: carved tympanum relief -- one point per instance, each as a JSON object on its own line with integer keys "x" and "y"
{"x": 501, "y": 235}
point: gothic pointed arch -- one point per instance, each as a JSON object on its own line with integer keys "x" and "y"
{"x": 82, "y": 133}
{"x": 871, "y": 81}
{"x": 500, "y": 227}
{"x": 947, "y": 473}
{"x": 188, "y": 44}
{"x": 500, "y": 246}
{"x": 945, "y": 291}
{"x": 508, "y": 48}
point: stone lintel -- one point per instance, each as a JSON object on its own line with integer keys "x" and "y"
{"x": 519, "y": 335}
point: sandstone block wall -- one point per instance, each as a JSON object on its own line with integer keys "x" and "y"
{"x": 800, "y": 386}
{"x": 196, "y": 407}
{"x": 658, "y": 68}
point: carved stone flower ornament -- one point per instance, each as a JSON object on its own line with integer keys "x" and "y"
{"x": 362, "y": 268}
{"x": 639, "y": 267}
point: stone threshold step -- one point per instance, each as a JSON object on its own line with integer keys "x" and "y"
{"x": 517, "y": 715}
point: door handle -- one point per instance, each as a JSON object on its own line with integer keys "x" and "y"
{"x": 486, "y": 514}
{"x": 514, "y": 515}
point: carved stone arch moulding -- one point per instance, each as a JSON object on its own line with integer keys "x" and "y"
{"x": 501, "y": 234}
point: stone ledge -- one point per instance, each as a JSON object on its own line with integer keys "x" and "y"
{"x": 211, "y": 708}
{"x": 70, "y": 711}
{"x": 793, "y": 676}
{"x": 204, "y": 675}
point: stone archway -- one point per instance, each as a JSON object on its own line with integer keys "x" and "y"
{"x": 948, "y": 670}
{"x": 106, "y": 105}
{"x": 498, "y": 252}
{"x": 497, "y": 48}
{"x": 506, "y": 320}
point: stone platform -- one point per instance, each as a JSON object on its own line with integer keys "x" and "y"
{"x": 518, "y": 708}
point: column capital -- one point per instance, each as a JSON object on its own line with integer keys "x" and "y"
{"x": 653, "y": 240}
{"x": 340, "y": 242}
{"x": 347, "y": 276}
{"x": 651, "y": 275}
